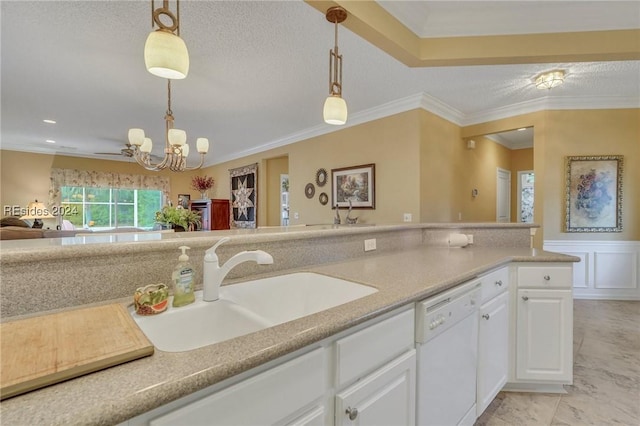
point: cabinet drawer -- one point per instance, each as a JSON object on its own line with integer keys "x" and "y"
{"x": 493, "y": 284}
{"x": 545, "y": 276}
{"x": 267, "y": 398}
{"x": 368, "y": 349}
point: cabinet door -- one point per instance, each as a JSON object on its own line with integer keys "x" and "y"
{"x": 385, "y": 397}
{"x": 544, "y": 335}
{"x": 493, "y": 350}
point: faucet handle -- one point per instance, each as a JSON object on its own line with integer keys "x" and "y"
{"x": 210, "y": 255}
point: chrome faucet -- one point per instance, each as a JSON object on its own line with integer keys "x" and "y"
{"x": 213, "y": 274}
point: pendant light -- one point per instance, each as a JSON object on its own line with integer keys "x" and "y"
{"x": 165, "y": 53}
{"x": 335, "y": 108}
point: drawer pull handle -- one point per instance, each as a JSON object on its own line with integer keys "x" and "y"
{"x": 486, "y": 316}
{"x": 525, "y": 298}
{"x": 499, "y": 283}
{"x": 547, "y": 277}
{"x": 352, "y": 413}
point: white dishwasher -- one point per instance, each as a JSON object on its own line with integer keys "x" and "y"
{"x": 447, "y": 346}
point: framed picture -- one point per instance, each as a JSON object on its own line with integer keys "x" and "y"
{"x": 593, "y": 200}
{"x": 355, "y": 184}
{"x": 244, "y": 196}
{"x": 183, "y": 200}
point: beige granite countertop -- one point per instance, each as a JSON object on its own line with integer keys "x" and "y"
{"x": 119, "y": 393}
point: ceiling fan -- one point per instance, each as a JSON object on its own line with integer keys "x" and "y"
{"x": 127, "y": 152}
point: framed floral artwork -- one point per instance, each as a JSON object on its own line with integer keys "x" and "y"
{"x": 593, "y": 199}
{"x": 354, "y": 184}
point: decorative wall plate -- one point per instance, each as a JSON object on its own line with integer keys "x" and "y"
{"x": 323, "y": 198}
{"x": 321, "y": 177}
{"x": 309, "y": 190}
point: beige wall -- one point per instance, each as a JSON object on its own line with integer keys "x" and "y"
{"x": 422, "y": 167}
{"x": 440, "y": 162}
{"x": 391, "y": 143}
{"x": 558, "y": 134}
{"x": 26, "y": 176}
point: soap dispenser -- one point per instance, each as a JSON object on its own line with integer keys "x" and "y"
{"x": 182, "y": 278}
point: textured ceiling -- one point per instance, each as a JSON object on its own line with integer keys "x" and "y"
{"x": 258, "y": 75}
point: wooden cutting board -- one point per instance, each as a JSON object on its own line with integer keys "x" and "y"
{"x": 48, "y": 349}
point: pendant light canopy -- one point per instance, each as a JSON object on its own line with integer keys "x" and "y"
{"x": 165, "y": 53}
{"x": 335, "y": 108}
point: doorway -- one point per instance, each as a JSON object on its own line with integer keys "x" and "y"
{"x": 276, "y": 168}
{"x": 503, "y": 196}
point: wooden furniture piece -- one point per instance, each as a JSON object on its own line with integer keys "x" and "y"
{"x": 215, "y": 213}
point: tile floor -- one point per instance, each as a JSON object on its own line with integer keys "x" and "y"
{"x": 606, "y": 375}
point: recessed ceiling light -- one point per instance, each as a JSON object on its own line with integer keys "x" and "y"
{"x": 50, "y": 141}
{"x": 49, "y": 121}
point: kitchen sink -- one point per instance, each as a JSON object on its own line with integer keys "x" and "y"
{"x": 247, "y": 307}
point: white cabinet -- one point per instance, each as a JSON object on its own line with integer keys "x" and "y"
{"x": 385, "y": 397}
{"x": 376, "y": 370}
{"x": 544, "y": 346}
{"x": 290, "y": 393}
{"x": 373, "y": 366}
{"x": 543, "y": 303}
{"x": 493, "y": 350}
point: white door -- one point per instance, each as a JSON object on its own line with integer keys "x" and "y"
{"x": 503, "y": 196}
{"x": 493, "y": 349}
{"x": 544, "y": 336}
{"x": 385, "y": 397}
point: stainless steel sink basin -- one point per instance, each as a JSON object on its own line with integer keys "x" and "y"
{"x": 247, "y": 307}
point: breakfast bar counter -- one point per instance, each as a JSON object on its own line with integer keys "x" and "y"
{"x": 119, "y": 393}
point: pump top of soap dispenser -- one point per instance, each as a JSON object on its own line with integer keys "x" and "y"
{"x": 184, "y": 257}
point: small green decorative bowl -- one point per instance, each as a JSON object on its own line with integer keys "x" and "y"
{"x": 151, "y": 299}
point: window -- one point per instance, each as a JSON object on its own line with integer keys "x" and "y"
{"x": 106, "y": 208}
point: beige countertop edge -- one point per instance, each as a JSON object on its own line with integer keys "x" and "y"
{"x": 14, "y": 251}
{"x": 122, "y": 392}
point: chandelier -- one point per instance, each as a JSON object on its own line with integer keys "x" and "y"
{"x": 549, "y": 80}
{"x": 176, "y": 148}
{"x": 335, "y": 108}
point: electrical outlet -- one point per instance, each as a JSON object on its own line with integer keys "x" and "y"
{"x": 296, "y": 215}
{"x": 470, "y": 238}
{"x": 460, "y": 216}
{"x": 370, "y": 244}
{"x": 407, "y": 217}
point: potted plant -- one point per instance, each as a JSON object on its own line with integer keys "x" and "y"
{"x": 178, "y": 218}
{"x": 202, "y": 184}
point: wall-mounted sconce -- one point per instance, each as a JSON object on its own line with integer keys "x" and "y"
{"x": 474, "y": 193}
{"x": 471, "y": 144}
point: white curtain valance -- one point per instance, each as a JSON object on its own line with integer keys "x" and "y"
{"x": 89, "y": 178}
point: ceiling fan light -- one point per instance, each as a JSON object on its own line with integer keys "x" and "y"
{"x": 136, "y": 137}
{"x": 335, "y": 110}
{"x": 177, "y": 137}
{"x": 549, "y": 80}
{"x": 166, "y": 55}
{"x": 147, "y": 145}
{"x": 202, "y": 145}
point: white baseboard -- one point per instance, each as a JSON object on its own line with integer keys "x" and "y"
{"x": 609, "y": 270}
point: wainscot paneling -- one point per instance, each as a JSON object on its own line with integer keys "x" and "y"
{"x": 607, "y": 270}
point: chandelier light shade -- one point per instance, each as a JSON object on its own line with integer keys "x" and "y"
{"x": 335, "y": 108}
{"x": 550, "y": 79}
{"x": 176, "y": 149}
{"x": 165, "y": 53}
